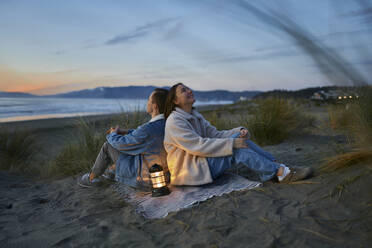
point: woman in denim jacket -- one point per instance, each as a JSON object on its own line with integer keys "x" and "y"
{"x": 133, "y": 152}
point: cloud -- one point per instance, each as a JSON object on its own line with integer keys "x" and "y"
{"x": 125, "y": 38}
{"x": 38, "y": 83}
{"x": 364, "y": 14}
{"x": 325, "y": 58}
{"x": 174, "y": 31}
{"x": 90, "y": 43}
{"x": 140, "y": 31}
{"x": 262, "y": 56}
{"x": 12, "y": 80}
{"x": 60, "y": 52}
{"x": 264, "y": 53}
{"x": 68, "y": 71}
{"x": 357, "y": 13}
{"x": 350, "y": 33}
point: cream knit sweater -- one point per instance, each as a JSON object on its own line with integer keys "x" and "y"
{"x": 189, "y": 139}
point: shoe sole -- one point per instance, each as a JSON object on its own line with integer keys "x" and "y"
{"x": 307, "y": 173}
{"x": 84, "y": 185}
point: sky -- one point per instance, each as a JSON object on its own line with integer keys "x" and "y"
{"x": 50, "y": 46}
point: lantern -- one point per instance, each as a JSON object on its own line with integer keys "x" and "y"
{"x": 159, "y": 185}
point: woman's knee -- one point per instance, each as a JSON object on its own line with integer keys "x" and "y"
{"x": 105, "y": 146}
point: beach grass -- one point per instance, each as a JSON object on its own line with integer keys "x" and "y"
{"x": 220, "y": 120}
{"x": 348, "y": 159}
{"x": 129, "y": 120}
{"x": 333, "y": 64}
{"x": 79, "y": 155}
{"x": 17, "y": 150}
{"x": 269, "y": 120}
{"x": 274, "y": 119}
{"x": 355, "y": 121}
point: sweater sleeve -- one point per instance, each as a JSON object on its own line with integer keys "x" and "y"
{"x": 214, "y": 133}
{"x": 185, "y": 138}
{"x": 133, "y": 143}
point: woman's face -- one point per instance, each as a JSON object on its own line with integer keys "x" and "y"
{"x": 184, "y": 96}
{"x": 151, "y": 106}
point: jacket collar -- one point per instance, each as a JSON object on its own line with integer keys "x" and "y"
{"x": 157, "y": 117}
{"x": 186, "y": 115}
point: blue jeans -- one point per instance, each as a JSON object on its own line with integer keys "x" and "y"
{"x": 254, "y": 157}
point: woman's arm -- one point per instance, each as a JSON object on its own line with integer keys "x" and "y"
{"x": 133, "y": 143}
{"x": 184, "y": 137}
{"x": 214, "y": 133}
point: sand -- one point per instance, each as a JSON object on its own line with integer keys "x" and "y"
{"x": 327, "y": 210}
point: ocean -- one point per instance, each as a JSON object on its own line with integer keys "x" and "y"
{"x": 20, "y": 109}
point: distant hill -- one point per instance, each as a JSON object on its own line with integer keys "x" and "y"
{"x": 141, "y": 92}
{"x": 15, "y": 94}
{"x": 128, "y": 92}
{"x": 303, "y": 93}
{"x": 224, "y": 95}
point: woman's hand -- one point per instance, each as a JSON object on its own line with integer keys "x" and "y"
{"x": 113, "y": 129}
{"x": 109, "y": 131}
{"x": 244, "y": 133}
{"x": 117, "y": 130}
{"x": 240, "y": 143}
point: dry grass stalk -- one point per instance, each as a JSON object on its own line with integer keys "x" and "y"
{"x": 318, "y": 234}
{"x": 356, "y": 121}
{"x": 342, "y": 186}
{"x": 304, "y": 182}
{"x": 347, "y": 159}
{"x": 333, "y": 65}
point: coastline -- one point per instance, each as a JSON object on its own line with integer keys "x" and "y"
{"x": 49, "y": 123}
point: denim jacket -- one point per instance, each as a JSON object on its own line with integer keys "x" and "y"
{"x": 139, "y": 150}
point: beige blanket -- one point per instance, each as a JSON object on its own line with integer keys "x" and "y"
{"x": 181, "y": 197}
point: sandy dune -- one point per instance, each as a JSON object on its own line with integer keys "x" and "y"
{"x": 328, "y": 210}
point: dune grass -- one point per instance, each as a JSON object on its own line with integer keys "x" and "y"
{"x": 129, "y": 120}
{"x": 221, "y": 119}
{"x": 270, "y": 120}
{"x": 355, "y": 120}
{"x": 336, "y": 67}
{"x": 17, "y": 150}
{"x": 79, "y": 155}
{"x": 275, "y": 119}
{"x": 348, "y": 159}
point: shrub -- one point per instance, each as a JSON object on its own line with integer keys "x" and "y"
{"x": 17, "y": 150}
{"x": 274, "y": 119}
{"x": 79, "y": 156}
{"x": 356, "y": 121}
{"x": 217, "y": 119}
{"x": 130, "y": 120}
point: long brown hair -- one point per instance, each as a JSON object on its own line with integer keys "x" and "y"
{"x": 169, "y": 103}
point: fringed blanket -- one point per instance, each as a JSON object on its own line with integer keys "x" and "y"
{"x": 181, "y": 197}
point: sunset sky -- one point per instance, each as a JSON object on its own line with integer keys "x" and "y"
{"x": 55, "y": 46}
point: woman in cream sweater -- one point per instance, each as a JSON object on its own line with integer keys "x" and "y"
{"x": 198, "y": 153}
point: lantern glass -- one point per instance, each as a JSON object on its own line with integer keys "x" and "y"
{"x": 159, "y": 185}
